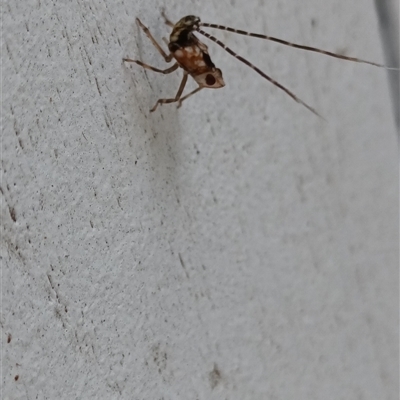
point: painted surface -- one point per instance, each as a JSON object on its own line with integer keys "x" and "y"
{"x": 236, "y": 248}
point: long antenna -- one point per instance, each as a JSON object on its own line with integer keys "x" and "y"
{"x": 295, "y": 45}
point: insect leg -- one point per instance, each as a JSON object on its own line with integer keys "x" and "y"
{"x": 167, "y": 57}
{"x": 162, "y": 71}
{"x": 178, "y": 94}
{"x": 166, "y": 20}
{"x": 189, "y": 94}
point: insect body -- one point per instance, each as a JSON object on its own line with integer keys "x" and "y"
{"x": 192, "y": 56}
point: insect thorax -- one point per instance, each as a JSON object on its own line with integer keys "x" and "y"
{"x": 182, "y": 32}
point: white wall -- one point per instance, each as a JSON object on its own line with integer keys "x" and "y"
{"x": 236, "y": 248}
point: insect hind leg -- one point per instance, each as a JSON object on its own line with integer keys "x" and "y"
{"x": 178, "y": 94}
{"x": 188, "y": 95}
{"x": 146, "y": 66}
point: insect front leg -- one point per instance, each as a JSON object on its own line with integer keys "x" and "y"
{"x": 178, "y": 94}
{"x": 166, "y": 20}
{"x": 167, "y": 57}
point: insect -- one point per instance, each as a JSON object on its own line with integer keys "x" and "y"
{"x": 192, "y": 56}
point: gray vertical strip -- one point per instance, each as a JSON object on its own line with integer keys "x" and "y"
{"x": 388, "y": 14}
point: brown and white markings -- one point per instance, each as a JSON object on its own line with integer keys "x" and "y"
{"x": 192, "y": 56}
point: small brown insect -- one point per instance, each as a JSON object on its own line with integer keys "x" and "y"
{"x": 192, "y": 56}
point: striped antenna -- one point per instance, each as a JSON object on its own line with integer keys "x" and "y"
{"x": 297, "y": 46}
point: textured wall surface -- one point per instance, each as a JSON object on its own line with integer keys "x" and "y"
{"x": 236, "y": 248}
